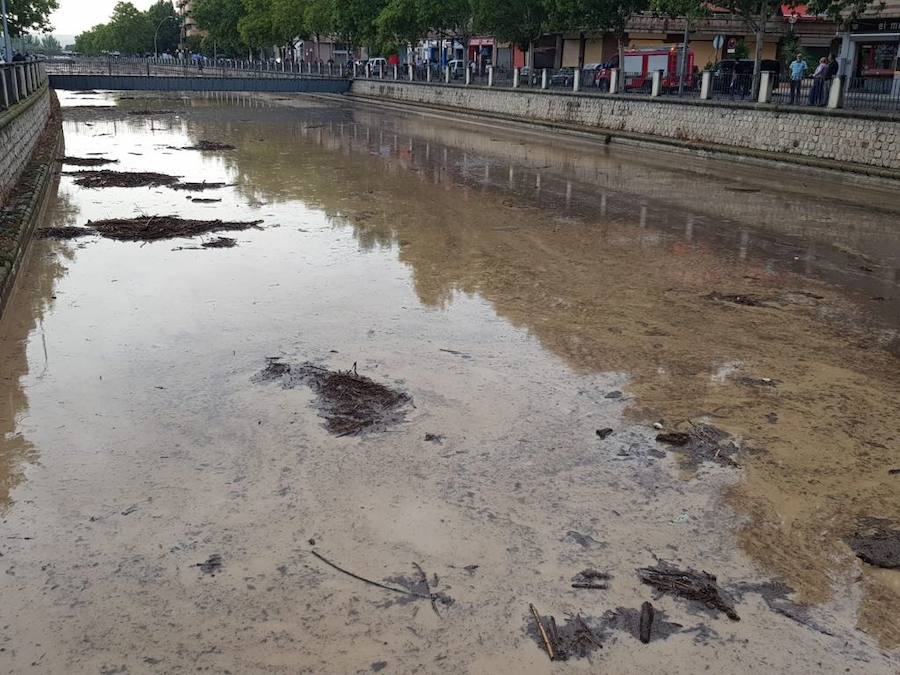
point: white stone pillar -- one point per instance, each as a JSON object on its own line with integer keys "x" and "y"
{"x": 3, "y": 86}
{"x": 428, "y": 72}
{"x": 409, "y": 71}
{"x": 515, "y": 78}
{"x": 490, "y": 76}
{"x": 706, "y": 85}
{"x": 765, "y": 87}
{"x": 368, "y": 71}
{"x": 446, "y": 74}
{"x": 545, "y": 81}
{"x": 614, "y": 84}
{"x": 656, "y": 84}
{"x": 20, "y": 78}
{"x": 836, "y": 93}
{"x": 576, "y": 80}
{"x": 468, "y": 75}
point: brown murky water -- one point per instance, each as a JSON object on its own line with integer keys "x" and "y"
{"x": 510, "y": 283}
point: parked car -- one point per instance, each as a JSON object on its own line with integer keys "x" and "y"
{"x": 378, "y": 65}
{"x": 564, "y": 77}
{"x": 457, "y": 68}
{"x": 735, "y": 76}
{"x": 640, "y": 64}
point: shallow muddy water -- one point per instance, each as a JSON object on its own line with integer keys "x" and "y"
{"x": 161, "y": 502}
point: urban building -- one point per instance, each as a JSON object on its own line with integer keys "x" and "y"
{"x": 189, "y": 29}
{"x": 870, "y": 51}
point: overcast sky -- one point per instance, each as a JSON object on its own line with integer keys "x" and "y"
{"x": 76, "y": 16}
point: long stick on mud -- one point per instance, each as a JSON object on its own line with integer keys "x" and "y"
{"x": 551, "y": 651}
{"x": 370, "y": 582}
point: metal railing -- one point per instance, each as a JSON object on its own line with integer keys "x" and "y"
{"x": 19, "y": 80}
{"x": 878, "y": 95}
{"x": 170, "y": 67}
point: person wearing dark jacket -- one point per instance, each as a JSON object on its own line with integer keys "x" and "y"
{"x": 831, "y": 72}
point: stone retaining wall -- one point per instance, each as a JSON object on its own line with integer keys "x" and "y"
{"x": 20, "y": 128}
{"x": 834, "y": 139}
{"x": 31, "y": 140}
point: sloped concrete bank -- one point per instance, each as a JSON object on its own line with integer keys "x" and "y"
{"x": 31, "y": 140}
{"x": 860, "y": 143}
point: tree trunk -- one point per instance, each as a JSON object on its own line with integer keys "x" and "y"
{"x": 684, "y": 59}
{"x": 757, "y": 55}
{"x": 620, "y": 85}
{"x": 582, "y": 45}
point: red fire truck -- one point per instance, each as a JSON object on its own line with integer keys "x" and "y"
{"x": 640, "y": 65}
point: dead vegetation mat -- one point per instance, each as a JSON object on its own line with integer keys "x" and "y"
{"x": 690, "y": 584}
{"x": 129, "y": 179}
{"x": 163, "y": 227}
{"x": 350, "y": 403}
{"x": 87, "y": 161}
{"x": 197, "y": 187}
{"x": 208, "y": 146}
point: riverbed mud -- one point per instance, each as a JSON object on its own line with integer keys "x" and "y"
{"x": 525, "y": 294}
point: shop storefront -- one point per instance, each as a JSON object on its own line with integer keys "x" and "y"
{"x": 481, "y": 51}
{"x": 870, "y": 55}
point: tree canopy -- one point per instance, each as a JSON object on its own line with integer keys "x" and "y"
{"x": 29, "y": 16}
{"x": 131, "y": 31}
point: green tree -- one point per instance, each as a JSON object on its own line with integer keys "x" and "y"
{"x": 318, "y": 17}
{"x": 845, "y": 11}
{"x": 399, "y": 25}
{"x": 50, "y": 45}
{"x": 131, "y": 31}
{"x": 162, "y": 16}
{"x": 220, "y": 19}
{"x": 354, "y": 21}
{"x": 95, "y": 41}
{"x": 257, "y": 27}
{"x": 520, "y": 23}
{"x": 29, "y": 16}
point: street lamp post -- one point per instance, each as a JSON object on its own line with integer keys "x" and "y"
{"x": 7, "y": 47}
{"x": 155, "y": 35}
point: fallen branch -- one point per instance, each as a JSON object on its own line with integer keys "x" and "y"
{"x": 430, "y": 596}
{"x": 551, "y": 651}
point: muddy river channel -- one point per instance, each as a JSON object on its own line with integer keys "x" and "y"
{"x": 446, "y": 380}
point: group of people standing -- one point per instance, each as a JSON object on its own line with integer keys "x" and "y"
{"x": 823, "y": 75}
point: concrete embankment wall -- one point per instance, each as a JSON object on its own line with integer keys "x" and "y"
{"x": 160, "y": 83}
{"x": 31, "y": 140}
{"x": 20, "y": 128}
{"x": 829, "y": 139}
